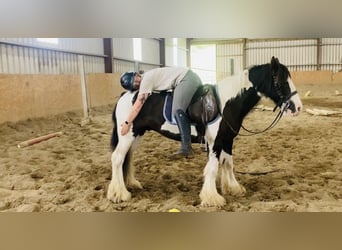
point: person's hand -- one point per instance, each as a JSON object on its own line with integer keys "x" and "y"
{"x": 125, "y": 128}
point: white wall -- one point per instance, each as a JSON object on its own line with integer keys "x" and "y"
{"x": 82, "y": 45}
{"x": 30, "y": 56}
{"x": 179, "y": 48}
{"x": 123, "y": 53}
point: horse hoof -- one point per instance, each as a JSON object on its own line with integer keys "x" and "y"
{"x": 215, "y": 200}
{"x": 237, "y": 190}
{"x": 117, "y": 197}
{"x": 218, "y": 203}
{"x": 134, "y": 184}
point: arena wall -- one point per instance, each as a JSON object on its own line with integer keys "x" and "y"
{"x": 29, "y": 96}
{"x": 314, "y": 77}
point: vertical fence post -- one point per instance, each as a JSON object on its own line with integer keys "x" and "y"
{"x": 83, "y": 86}
{"x": 244, "y": 53}
{"x": 108, "y": 51}
{"x": 136, "y": 66}
{"x": 162, "y": 52}
{"x": 319, "y": 53}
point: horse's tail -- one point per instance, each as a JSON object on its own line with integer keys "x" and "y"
{"x": 125, "y": 164}
{"x": 115, "y": 139}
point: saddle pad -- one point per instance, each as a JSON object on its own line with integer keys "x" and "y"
{"x": 167, "y": 110}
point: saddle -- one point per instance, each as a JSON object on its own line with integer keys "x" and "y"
{"x": 204, "y": 107}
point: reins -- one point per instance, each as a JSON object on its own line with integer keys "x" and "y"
{"x": 274, "y": 122}
{"x": 283, "y": 108}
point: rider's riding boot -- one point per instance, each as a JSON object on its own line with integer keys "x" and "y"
{"x": 184, "y": 127}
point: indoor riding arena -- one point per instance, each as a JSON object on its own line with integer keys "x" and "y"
{"x": 56, "y": 104}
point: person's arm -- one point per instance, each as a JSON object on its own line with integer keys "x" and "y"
{"x": 134, "y": 113}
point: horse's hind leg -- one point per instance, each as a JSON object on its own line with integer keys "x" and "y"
{"x": 117, "y": 190}
{"x": 229, "y": 184}
{"x": 131, "y": 181}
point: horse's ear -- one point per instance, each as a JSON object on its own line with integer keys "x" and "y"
{"x": 275, "y": 64}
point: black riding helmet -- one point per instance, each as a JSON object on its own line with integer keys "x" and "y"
{"x": 127, "y": 80}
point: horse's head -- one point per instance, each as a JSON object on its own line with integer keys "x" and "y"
{"x": 283, "y": 91}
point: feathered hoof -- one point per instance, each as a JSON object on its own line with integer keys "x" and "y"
{"x": 237, "y": 190}
{"x": 212, "y": 200}
{"x": 134, "y": 184}
{"x": 117, "y": 196}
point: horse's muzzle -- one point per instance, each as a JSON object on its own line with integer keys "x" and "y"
{"x": 292, "y": 108}
{"x": 292, "y": 105}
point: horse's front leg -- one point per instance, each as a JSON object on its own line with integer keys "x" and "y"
{"x": 229, "y": 184}
{"x": 209, "y": 195}
{"x": 117, "y": 190}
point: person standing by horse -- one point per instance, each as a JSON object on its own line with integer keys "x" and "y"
{"x": 184, "y": 82}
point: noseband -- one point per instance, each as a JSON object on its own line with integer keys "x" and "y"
{"x": 284, "y": 101}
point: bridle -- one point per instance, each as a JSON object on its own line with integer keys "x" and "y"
{"x": 283, "y": 104}
{"x": 283, "y": 99}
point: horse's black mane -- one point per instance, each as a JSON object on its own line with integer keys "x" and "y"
{"x": 262, "y": 75}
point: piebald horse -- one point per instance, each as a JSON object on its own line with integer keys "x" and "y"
{"x": 237, "y": 94}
